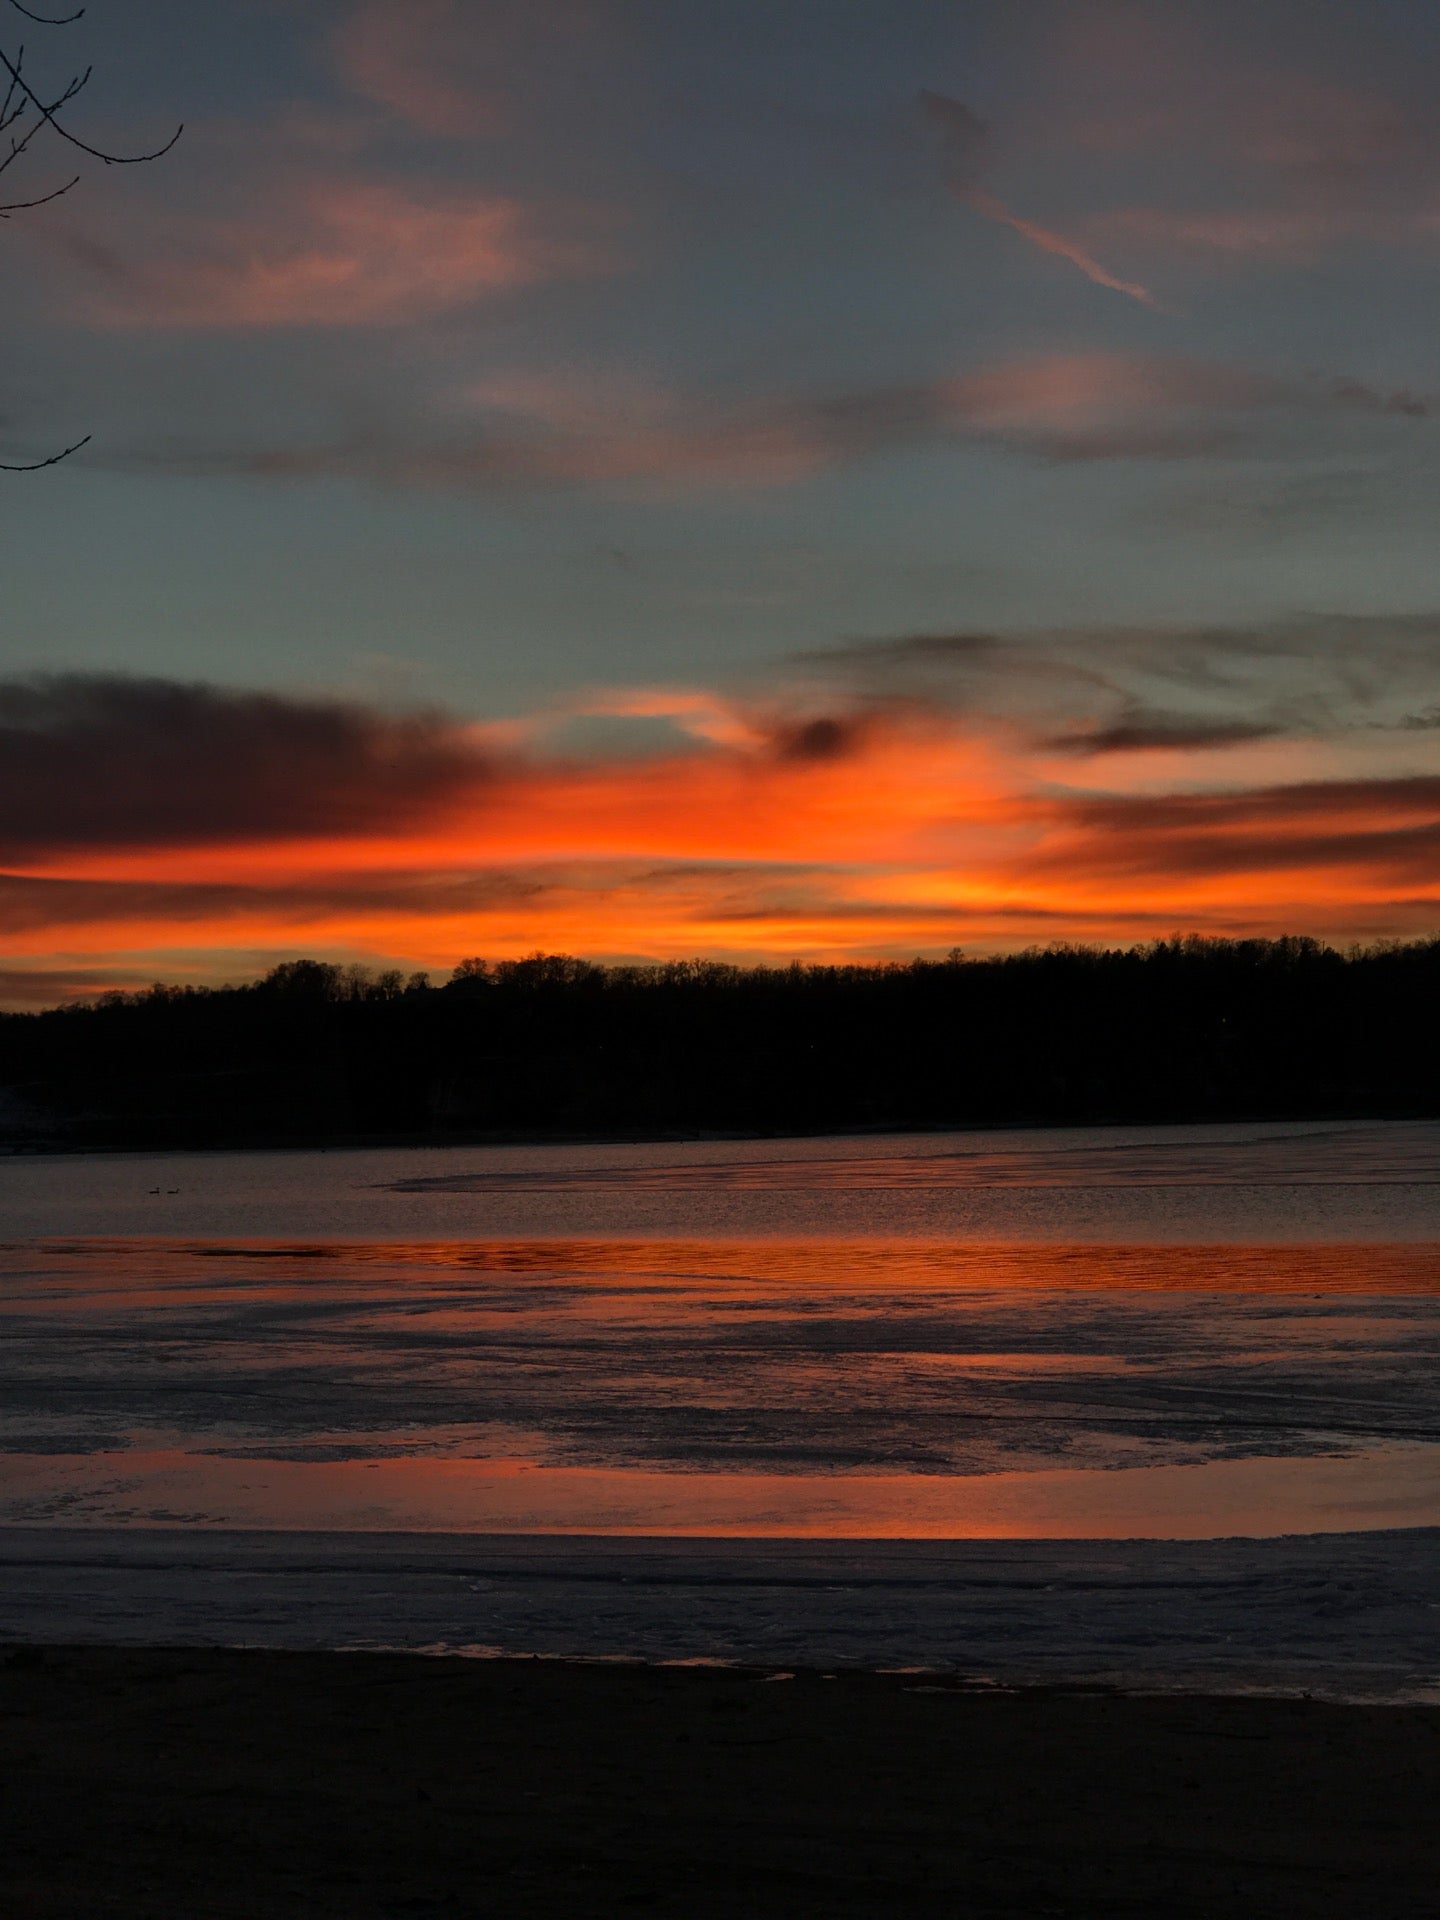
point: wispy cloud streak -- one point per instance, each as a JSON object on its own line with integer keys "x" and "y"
{"x": 963, "y": 139}
{"x": 1049, "y": 241}
{"x": 536, "y": 433}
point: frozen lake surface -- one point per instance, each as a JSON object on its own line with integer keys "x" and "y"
{"x": 1276, "y": 1182}
{"x": 943, "y": 1342}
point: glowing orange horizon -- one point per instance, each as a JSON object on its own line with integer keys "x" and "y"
{"x": 913, "y": 838}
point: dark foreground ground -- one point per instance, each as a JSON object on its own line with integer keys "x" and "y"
{"x": 256, "y": 1784}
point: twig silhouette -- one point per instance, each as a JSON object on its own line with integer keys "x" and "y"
{"x": 26, "y": 113}
{"x": 34, "y": 466}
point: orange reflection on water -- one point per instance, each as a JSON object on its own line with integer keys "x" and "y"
{"x": 623, "y": 1279}
{"x": 849, "y": 1388}
{"x": 1395, "y": 1486}
{"x": 1399, "y": 1267}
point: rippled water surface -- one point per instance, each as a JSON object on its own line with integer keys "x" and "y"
{"x": 1164, "y": 1332}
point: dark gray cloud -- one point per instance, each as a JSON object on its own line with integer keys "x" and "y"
{"x": 1141, "y": 729}
{"x": 29, "y": 903}
{"x": 907, "y": 649}
{"x": 103, "y": 761}
{"x": 1270, "y": 505}
{"x": 1090, "y": 690}
{"x": 961, "y": 136}
{"x": 828, "y": 737}
{"x": 1356, "y": 801}
{"x": 1387, "y": 830}
{"x": 1371, "y": 399}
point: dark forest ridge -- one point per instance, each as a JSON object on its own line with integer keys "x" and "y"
{"x": 1185, "y": 1029}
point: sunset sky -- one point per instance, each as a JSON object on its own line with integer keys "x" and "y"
{"x": 758, "y": 478}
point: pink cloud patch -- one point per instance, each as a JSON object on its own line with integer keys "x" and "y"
{"x": 1091, "y": 389}
{"x": 341, "y": 254}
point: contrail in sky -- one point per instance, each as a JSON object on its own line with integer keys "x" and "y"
{"x": 1056, "y": 243}
{"x": 962, "y": 134}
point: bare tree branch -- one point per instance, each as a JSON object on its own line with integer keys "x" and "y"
{"x": 24, "y": 114}
{"x": 8, "y": 207}
{"x": 47, "y": 114}
{"x": 6, "y": 116}
{"x": 34, "y": 466}
{"x": 19, "y": 142}
{"x": 44, "y": 19}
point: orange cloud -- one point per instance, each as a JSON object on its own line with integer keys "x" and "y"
{"x": 142, "y": 820}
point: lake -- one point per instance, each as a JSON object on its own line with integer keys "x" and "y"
{"x": 1127, "y": 1334}
{"x": 1089, "y": 1332}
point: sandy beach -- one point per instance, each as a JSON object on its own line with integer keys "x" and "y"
{"x": 246, "y": 1784}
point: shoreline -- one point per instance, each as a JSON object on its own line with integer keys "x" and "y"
{"x": 246, "y": 1785}
{"x": 1312, "y": 1117}
{"x": 1344, "y": 1616}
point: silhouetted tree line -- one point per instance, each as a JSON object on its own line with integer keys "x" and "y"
{"x": 1183, "y": 1029}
